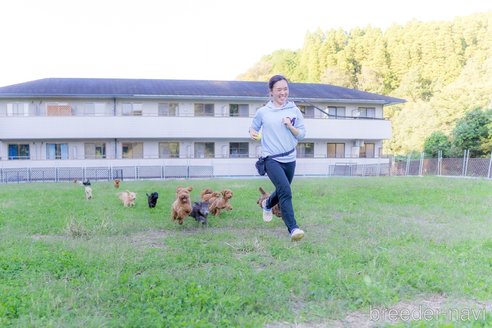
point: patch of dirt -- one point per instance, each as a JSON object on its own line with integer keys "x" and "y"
{"x": 143, "y": 239}
{"x": 149, "y": 239}
{"x": 50, "y": 238}
{"x": 424, "y": 309}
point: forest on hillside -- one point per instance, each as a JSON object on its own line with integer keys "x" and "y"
{"x": 443, "y": 69}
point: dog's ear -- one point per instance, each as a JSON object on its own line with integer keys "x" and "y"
{"x": 147, "y": 194}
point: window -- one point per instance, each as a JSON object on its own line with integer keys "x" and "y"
{"x": 168, "y": 109}
{"x": 204, "y": 109}
{"x": 17, "y": 109}
{"x": 367, "y": 151}
{"x": 130, "y": 109}
{"x": 238, "y": 149}
{"x": 204, "y": 150}
{"x": 56, "y": 151}
{"x": 132, "y": 150}
{"x": 85, "y": 109}
{"x": 95, "y": 150}
{"x": 337, "y": 112}
{"x": 336, "y": 150}
{"x": 367, "y": 112}
{"x": 305, "y": 149}
{"x": 307, "y": 111}
{"x": 18, "y": 151}
{"x": 238, "y": 110}
{"x": 168, "y": 149}
{"x": 61, "y": 109}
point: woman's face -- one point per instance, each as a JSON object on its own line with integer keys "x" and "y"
{"x": 280, "y": 92}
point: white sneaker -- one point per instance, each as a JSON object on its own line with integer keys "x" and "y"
{"x": 267, "y": 214}
{"x": 296, "y": 234}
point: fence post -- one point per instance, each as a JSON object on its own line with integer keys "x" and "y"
{"x": 490, "y": 166}
{"x": 421, "y": 164}
{"x": 407, "y": 168}
{"x": 466, "y": 161}
{"x": 439, "y": 162}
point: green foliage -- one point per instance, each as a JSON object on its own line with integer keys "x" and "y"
{"x": 370, "y": 242}
{"x": 443, "y": 69}
{"x": 472, "y": 132}
{"x": 437, "y": 141}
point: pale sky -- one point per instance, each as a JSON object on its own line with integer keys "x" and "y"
{"x": 182, "y": 39}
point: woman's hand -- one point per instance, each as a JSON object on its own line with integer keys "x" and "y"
{"x": 255, "y": 135}
{"x": 287, "y": 122}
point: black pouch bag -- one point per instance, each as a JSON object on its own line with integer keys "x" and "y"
{"x": 260, "y": 166}
{"x": 261, "y": 162}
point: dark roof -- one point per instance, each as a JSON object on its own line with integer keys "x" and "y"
{"x": 123, "y": 88}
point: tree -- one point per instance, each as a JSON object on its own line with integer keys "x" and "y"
{"x": 436, "y": 142}
{"x": 472, "y": 131}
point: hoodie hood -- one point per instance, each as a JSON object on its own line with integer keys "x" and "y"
{"x": 288, "y": 104}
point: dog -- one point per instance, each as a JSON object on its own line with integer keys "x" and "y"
{"x": 206, "y": 194}
{"x": 128, "y": 198}
{"x": 88, "y": 192}
{"x": 116, "y": 183}
{"x": 221, "y": 203}
{"x": 264, "y": 195}
{"x": 181, "y": 207}
{"x": 83, "y": 183}
{"x": 152, "y": 199}
{"x": 200, "y": 212}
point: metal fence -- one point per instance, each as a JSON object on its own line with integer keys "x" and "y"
{"x": 60, "y": 174}
{"x": 460, "y": 167}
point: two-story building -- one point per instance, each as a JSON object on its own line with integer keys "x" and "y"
{"x": 159, "y": 125}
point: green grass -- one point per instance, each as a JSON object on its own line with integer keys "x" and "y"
{"x": 370, "y": 242}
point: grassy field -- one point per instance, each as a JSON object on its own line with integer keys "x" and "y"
{"x": 372, "y": 246}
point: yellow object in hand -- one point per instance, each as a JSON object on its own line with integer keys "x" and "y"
{"x": 258, "y": 136}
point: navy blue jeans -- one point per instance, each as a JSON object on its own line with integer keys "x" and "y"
{"x": 281, "y": 175}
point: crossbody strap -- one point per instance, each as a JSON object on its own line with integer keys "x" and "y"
{"x": 283, "y": 154}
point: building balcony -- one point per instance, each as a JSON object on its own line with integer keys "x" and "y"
{"x": 176, "y": 127}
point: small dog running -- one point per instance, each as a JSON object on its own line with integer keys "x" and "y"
{"x": 221, "y": 203}
{"x": 128, "y": 198}
{"x": 88, "y": 192}
{"x": 181, "y": 207}
{"x": 116, "y": 183}
{"x": 264, "y": 195}
{"x": 152, "y": 199}
{"x": 200, "y": 212}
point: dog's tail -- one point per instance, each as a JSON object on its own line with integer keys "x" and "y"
{"x": 262, "y": 191}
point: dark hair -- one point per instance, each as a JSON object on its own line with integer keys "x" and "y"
{"x": 274, "y": 79}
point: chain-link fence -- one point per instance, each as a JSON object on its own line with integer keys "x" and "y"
{"x": 462, "y": 167}
{"x": 60, "y": 174}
